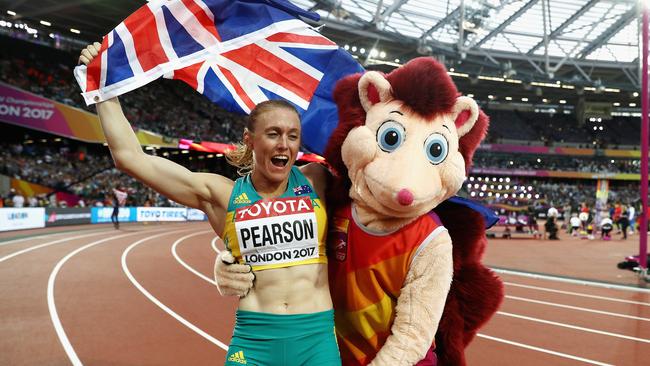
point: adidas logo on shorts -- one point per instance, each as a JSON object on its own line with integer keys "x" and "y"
{"x": 238, "y": 357}
{"x": 241, "y": 199}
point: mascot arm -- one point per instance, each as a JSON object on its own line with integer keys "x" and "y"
{"x": 232, "y": 279}
{"x": 420, "y": 305}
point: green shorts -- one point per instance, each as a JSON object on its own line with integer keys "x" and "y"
{"x": 262, "y": 339}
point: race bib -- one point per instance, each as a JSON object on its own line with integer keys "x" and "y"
{"x": 277, "y": 231}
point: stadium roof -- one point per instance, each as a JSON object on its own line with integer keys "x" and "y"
{"x": 586, "y": 45}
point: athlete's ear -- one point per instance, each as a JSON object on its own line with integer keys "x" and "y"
{"x": 248, "y": 138}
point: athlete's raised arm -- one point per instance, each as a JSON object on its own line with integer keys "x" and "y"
{"x": 168, "y": 178}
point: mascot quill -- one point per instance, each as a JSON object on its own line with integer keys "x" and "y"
{"x": 402, "y": 148}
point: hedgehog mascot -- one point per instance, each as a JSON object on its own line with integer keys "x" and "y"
{"x": 401, "y": 150}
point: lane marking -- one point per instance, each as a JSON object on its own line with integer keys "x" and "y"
{"x": 40, "y": 236}
{"x": 213, "y": 243}
{"x": 543, "y": 350}
{"x": 163, "y": 306}
{"x": 54, "y": 315}
{"x": 576, "y": 294}
{"x": 588, "y": 310}
{"x": 563, "y": 325}
{"x": 187, "y": 266}
{"x": 570, "y": 280}
{"x": 39, "y": 246}
{"x": 26, "y": 238}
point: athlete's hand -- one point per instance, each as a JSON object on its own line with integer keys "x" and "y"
{"x": 89, "y": 53}
{"x": 232, "y": 279}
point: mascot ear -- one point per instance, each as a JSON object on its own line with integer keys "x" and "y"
{"x": 373, "y": 89}
{"x": 465, "y": 114}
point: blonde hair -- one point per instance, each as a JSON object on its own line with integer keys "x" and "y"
{"x": 242, "y": 156}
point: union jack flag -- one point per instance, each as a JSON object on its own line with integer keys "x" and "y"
{"x": 235, "y": 52}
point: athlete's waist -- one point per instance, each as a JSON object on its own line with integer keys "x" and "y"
{"x": 261, "y": 325}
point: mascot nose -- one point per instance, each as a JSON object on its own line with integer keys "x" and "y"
{"x": 404, "y": 197}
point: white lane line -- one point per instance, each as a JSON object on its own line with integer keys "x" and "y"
{"x": 563, "y": 325}
{"x": 588, "y": 310}
{"x": 31, "y": 238}
{"x": 69, "y": 350}
{"x": 570, "y": 280}
{"x": 27, "y": 250}
{"x": 576, "y": 294}
{"x": 187, "y": 266}
{"x": 213, "y": 243}
{"x": 169, "y": 311}
{"x": 543, "y": 350}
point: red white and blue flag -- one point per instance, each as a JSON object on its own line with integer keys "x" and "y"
{"x": 235, "y": 52}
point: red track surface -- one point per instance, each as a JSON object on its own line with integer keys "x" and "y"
{"x": 123, "y": 298}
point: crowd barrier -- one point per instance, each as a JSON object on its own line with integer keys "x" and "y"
{"x": 38, "y": 217}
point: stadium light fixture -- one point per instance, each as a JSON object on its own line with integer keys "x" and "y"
{"x": 505, "y": 195}
{"x": 508, "y": 98}
{"x": 347, "y": 47}
{"x": 617, "y": 104}
{"x": 632, "y": 104}
{"x": 397, "y": 60}
{"x": 612, "y": 161}
{"x": 470, "y": 95}
{"x": 219, "y": 155}
{"x": 452, "y": 69}
{"x": 507, "y": 180}
{"x": 46, "y": 23}
{"x": 524, "y": 99}
{"x": 490, "y": 96}
{"x": 12, "y": 13}
{"x": 539, "y": 160}
{"x": 562, "y": 101}
{"x": 595, "y": 128}
{"x": 635, "y": 94}
{"x": 600, "y": 128}
{"x": 362, "y": 50}
{"x": 354, "y": 48}
{"x": 374, "y": 53}
{"x": 75, "y": 31}
{"x": 382, "y": 54}
{"x": 545, "y": 100}
{"x": 185, "y": 152}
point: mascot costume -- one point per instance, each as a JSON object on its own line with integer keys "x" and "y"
{"x": 402, "y": 148}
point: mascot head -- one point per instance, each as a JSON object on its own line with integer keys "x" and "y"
{"x": 405, "y": 140}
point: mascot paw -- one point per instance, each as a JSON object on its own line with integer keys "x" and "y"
{"x": 232, "y": 279}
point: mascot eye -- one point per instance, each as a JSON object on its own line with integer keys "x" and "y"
{"x": 436, "y": 148}
{"x": 390, "y": 136}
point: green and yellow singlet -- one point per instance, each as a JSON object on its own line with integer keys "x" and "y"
{"x": 277, "y": 232}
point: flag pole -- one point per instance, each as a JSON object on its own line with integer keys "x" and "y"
{"x": 643, "y": 244}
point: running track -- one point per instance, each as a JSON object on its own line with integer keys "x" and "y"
{"x": 144, "y": 295}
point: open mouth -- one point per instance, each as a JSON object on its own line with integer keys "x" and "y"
{"x": 280, "y": 161}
